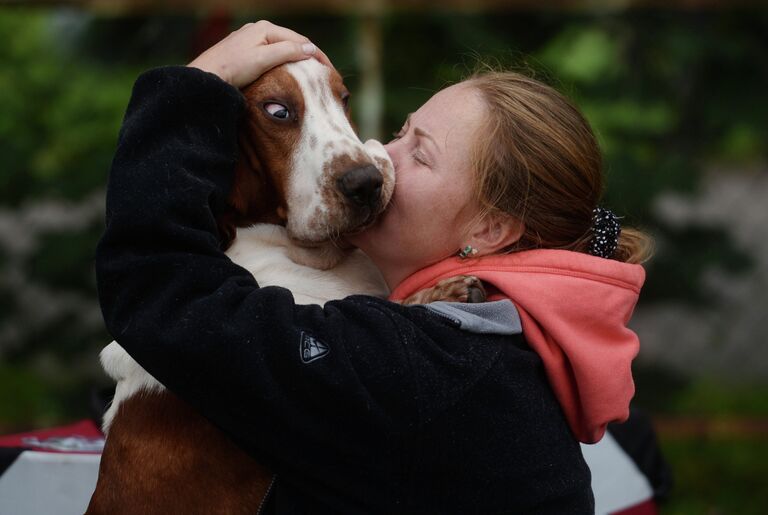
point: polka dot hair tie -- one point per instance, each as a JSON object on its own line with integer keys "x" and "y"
{"x": 606, "y": 230}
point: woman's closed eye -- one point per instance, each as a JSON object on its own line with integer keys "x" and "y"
{"x": 419, "y": 157}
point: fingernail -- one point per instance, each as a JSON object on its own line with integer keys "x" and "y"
{"x": 308, "y": 48}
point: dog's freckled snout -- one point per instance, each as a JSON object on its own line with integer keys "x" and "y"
{"x": 362, "y": 185}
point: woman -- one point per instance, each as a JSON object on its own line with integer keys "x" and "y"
{"x": 443, "y": 409}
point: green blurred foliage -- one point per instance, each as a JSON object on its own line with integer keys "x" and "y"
{"x": 712, "y": 473}
{"x": 60, "y": 113}
{"x": 717, "y": 476}
{"x": 668, "y": 394}
{"x": 721, "y": 400}
{"x": 23, "y": 396}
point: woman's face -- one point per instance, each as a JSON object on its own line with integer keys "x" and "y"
{"x": 428, "y": 216}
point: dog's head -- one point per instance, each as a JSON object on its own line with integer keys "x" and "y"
{"x": 301, "y": 163}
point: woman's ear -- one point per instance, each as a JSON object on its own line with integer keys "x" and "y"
{"x": 495, "y": 232}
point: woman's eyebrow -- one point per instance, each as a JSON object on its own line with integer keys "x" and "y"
{"x": 418, "y": 131}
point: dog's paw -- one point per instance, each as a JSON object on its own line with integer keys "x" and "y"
{"x": 461, "y": 288}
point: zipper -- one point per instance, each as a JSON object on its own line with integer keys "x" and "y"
{"x": 266, "y": 494}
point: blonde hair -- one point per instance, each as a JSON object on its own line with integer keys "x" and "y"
{"x": 537, "y": 160}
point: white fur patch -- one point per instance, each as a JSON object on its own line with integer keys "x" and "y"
{"x": 264, "y": 250}
{"x": 131, "y": 378}
{"x": 325, "y": 134}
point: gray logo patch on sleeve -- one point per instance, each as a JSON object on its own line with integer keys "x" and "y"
{"x": 311, "y": 348}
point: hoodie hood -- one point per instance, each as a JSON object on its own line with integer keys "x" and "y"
{"x": 574, "y": 309}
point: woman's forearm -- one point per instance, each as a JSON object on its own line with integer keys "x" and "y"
{"x": 170, "y": 174}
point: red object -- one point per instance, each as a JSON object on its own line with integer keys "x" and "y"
{"x": 82, "y": 437}
{"x": 646, "y": 508}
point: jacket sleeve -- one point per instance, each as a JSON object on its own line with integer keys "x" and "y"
{"x": 201, "y": 325}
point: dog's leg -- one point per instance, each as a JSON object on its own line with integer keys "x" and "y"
{"x": 161, "y": 457}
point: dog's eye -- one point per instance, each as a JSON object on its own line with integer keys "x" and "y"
{"x": 277, "y": 110}
{"x": 345, "y": 100}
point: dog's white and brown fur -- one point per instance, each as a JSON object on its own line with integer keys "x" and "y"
{"x": 303, "y": 179}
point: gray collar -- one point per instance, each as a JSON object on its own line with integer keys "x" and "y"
{"x": 498, "y": 317}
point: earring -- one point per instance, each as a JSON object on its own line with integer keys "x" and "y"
{"x": 467, "y": 251}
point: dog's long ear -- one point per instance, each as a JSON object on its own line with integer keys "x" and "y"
{"x": 227, "y": 227}
{"x": 252, "y": 197}
{"x": 226, "y": 221}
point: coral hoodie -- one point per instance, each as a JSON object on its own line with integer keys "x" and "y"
{"x": 574, "y": 309}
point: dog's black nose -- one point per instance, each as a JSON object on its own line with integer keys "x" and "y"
{"x": 362, "y": 185}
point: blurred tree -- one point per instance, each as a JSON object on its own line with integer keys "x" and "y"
{"x": 60, "y": 116}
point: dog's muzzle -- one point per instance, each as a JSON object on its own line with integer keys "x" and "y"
{"x": 362, "y": 186}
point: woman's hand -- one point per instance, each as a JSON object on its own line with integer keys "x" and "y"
{"x": 244, "y": 55}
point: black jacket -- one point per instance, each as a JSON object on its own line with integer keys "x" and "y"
{"x": 403, "y": 411}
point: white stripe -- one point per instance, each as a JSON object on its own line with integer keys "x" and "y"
{"x": 325, "y": 123}
{"x": 616, "y": 481}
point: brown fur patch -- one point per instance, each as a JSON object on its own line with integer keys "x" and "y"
{"x": 163, "y": 457}
{"x": 461, "y": 288}
{"x": 266, "y": 146}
